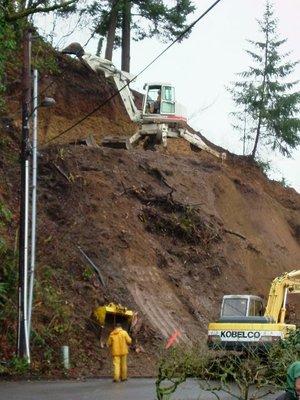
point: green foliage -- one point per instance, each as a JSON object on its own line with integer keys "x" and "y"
{"x": 282, "y": 355}
{"x": 48, "y": 355}
{"x": 149, "y": 18}
{"x": 185, "y": 224}
{"x": 13, "y": 21}
{"x": 283, "y": 182}
{"x": 264, "y": 166}
{"x": 8, "y": 281}
{"x": 2, "y": 290}
{"x": 18, "y": 366}
{"x": 263, "y": 371}
{"x": 177, "y": 364}
{"x": 19, "y": 11}
{"x": 247, "y": 370}
{"x": 87, "y": 274}
{"x": 264, "y": 97}
{"x": 7, "y": 47}
{"x": 44, "y": 58}
{"x": 5, "y": 214}
{"x": 14, "y": 367}
{"x": 8, "y": 292}
{"x": 57, "y": 311}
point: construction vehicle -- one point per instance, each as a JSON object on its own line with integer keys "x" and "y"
{"x": 107, "y": 316}
{"x": 243, "y": 323}
{"x": 161, "y": 116}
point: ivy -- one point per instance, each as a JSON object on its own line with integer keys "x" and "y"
{"x": 7, "y": 47}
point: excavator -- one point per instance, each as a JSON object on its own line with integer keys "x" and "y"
{"x": 243, "y": 323}
{"x": 161, "y": 116}
{"x": 108, "y": 315}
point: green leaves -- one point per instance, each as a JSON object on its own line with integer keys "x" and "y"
{"x": 7, "y": 46}
{"x": 264, "y": 97}
{"x": 149, "y": 18}
{"x": 251, "y": 374}
{"x": 5, "y": 214}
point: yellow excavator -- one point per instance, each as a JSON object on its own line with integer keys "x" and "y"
{"x": 243, "y": 323}
{"x": 107, "y": 316}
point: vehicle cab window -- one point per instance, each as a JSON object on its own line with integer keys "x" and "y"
{"x": 255, "y": 308}
{"x": 168, "y": 100}
{"x": 160, "y": 99}
{"x": 234, "y": 307}
{"x": 153, "y": 100}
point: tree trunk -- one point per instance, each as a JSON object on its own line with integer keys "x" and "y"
{"x": 99, "y": 47}
{"x": 111, "y": 33}
{"x": 126, "y": 22}
{"x": 262, "y": 107}
{"x": 257, "y": 137}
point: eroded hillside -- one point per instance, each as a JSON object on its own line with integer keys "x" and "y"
{"x": 170, "y": 230}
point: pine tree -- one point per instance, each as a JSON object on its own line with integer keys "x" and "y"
{"x": 122, "y": 20}
{"x": 264, "y": 97}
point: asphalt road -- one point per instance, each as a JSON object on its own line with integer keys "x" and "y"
{"x": 100, "y": 389}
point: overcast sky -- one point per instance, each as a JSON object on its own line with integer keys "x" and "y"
{"x": 202, "y": 65}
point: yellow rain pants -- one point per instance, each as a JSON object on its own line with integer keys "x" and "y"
{"x": 120, "y": 367}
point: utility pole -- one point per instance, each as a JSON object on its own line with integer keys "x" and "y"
{"x": 23, "y": 343}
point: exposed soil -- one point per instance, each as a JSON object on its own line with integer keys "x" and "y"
{"x": 170, "y": 230}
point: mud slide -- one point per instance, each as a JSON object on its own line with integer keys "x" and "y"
{"x": 158, "y": 302}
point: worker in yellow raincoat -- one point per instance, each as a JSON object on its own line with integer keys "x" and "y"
{"x": 118, "y": 341}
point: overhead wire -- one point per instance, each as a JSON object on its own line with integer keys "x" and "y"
{"x": 55, "y": 79}
{"x": 59, "y": 76}
{"x": 136, "y": 76}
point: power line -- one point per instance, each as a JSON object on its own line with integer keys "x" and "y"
{"x": 136, "y": 76}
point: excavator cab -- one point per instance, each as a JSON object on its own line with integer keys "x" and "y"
{"x": 242, "y": 324}
{"x": 237, "y": 306}
{"x": 159, "y": 104}
{"x": 107, "y": 316}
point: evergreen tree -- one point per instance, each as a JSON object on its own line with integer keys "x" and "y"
{"x": 264, "y": 97}
{"x": 121, "y": 20}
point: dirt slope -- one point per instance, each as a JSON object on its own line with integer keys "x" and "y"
{"x": 188, "y": 224}
{"x": 171, "y": 231}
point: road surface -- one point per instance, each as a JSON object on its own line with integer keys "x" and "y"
{"x": 100, "y": 389}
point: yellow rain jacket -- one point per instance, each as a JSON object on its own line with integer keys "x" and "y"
{"x": 118, "y": 341}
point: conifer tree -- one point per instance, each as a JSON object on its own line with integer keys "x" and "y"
{"x": 264, "y": 96}
{"x": 122, "y": 20}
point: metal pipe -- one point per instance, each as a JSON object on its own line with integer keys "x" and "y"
{"x": 33, "y": 199}
{"x": 26, "y": 258}
{"x": 23, "y": 345}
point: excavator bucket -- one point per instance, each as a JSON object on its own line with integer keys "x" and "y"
{"x": 108, "y": 316}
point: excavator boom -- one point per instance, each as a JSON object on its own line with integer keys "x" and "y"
{"x": 281, "y": 286}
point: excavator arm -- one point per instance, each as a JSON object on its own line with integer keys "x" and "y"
{"x": 281, "y": 286}
{"x": 120, "y": 79}
{"x": 160, "y": 126}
